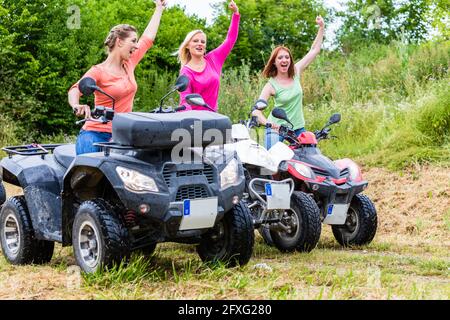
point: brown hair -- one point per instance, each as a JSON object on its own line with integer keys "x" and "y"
{"x": 121, "y": 31}
{"x": 270, "y": 70}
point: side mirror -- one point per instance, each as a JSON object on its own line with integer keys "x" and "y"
{"x": 87, "y": 86}
{"x": 195, "y": 100}
{"x": 335, "y": 118}
{"x": 182, "y": 83}
{"x": 260, "y": 104}
{"x": 280, "y": 114}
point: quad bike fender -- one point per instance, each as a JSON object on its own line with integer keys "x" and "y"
{"x": 40, "y": 178}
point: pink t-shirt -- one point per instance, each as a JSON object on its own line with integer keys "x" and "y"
{"x": 122, "y": 88}
{"x": 207, "y": 82}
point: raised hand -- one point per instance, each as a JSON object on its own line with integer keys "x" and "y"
{"x": 233, "y": 6}
{"x": 161, "y": 4}
{"x": 320, "y": 22}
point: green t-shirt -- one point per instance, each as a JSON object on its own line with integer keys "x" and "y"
{"x": 289, "y": 99}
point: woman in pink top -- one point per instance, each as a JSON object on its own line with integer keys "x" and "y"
{"x": 204, "y": 70}
{"x": 115, "y": 76}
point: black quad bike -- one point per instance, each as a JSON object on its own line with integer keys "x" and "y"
{"x": 336, "y": 186}
{"x": 128, "y": 197}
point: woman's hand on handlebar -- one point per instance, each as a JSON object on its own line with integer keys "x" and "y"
{"x": 275, "y": 127}
{"x": 82, "y": 109}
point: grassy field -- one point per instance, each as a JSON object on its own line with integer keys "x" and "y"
{"x": 409, "y": 259}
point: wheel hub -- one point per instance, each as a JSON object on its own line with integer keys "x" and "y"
{"x": 352, "y": 221}
{"x": 11, "y": 234}
{"x": 88, "y": 244}
{"x": 289, "y": 223}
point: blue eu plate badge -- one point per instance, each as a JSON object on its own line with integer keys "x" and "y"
{"x": 187, "y": 207}
{"x": 268, "y": 189}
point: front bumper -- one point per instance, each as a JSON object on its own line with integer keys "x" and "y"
{"x": 330, "y": 193}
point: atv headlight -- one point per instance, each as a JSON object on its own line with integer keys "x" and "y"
{"x": 355, "y": 172}
{"x": 230, "y": 174}
{"x": 303, "y": 170}
{"x": 136, "y": 182}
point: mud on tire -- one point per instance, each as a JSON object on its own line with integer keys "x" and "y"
{"x": 231, "y": 241}
{"x": 306, "y": 235}
{"x": 18, "y": 242}
{"x": 99, "y": 237}
{"x": 361, "y": 225}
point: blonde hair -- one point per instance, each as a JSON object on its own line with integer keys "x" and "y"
{"x": 184, "y": 56}
{"x": 121, "y": 31}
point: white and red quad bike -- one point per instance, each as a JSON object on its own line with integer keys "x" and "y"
{"x": 336, "y": 186}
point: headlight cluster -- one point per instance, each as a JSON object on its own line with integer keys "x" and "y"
{"x": 303, "y": 170}
{"x": 355, "y": 173}
{"x": 230, "y": 174}
{"x": 136, "y": 182}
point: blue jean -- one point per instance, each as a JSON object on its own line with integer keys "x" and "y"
{"x": 86, "y": 140}
{"x": 272, "y": 137}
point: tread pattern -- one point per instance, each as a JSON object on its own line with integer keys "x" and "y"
{"x": 240, "y": 239}
{"x": 243, "y": 235}
{"x": 115, "y": 234}
{"x": 311, "y": 224}
{"x": 368, "y": 220}
{"x": 32, "y": 250}
{"x": 2, "y": 193}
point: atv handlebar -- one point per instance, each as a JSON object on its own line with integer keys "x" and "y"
{"x": 100, "y": 114}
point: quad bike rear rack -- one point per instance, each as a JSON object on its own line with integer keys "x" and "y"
{"x": 31, "y": 150}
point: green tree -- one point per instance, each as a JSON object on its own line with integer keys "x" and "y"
{"x": 383, "y": 21}
{"x": 266, "y": 24}
{"x": 44, "y": 50}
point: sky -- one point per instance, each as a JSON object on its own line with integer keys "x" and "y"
{"x": 203, "y": 9}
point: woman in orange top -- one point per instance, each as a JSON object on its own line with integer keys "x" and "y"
{"x": 115, "y": 76}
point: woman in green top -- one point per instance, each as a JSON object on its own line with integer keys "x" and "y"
{"x": 284, "y": 85}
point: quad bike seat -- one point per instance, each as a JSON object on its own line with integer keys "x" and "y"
{"x": 65, "y": 154}
{"x": 150, "y": 130}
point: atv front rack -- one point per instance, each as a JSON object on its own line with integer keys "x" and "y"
{"x": 31, "y": 150}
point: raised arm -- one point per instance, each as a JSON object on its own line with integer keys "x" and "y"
{"x": 221, "y": 53}
{"x": 153, "y": 26}
{"x": 266, "y": 93}
{"x": 315, "y": 49}
{"x": 149, "y": 34}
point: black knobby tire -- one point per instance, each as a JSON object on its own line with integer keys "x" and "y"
{"x": 306, "y": 234}
{"x": 363, "y": 230}
{"x": 96, "y": 224}
{"x": 232, "y": 239}
{"x": 2, "y": 193}
{"x": 14, "y": 216}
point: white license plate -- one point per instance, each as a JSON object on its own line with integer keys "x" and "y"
{"x": 199, "y": 214}
{"x": 336, "y": 214}
{"x": 278, "y": 196}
